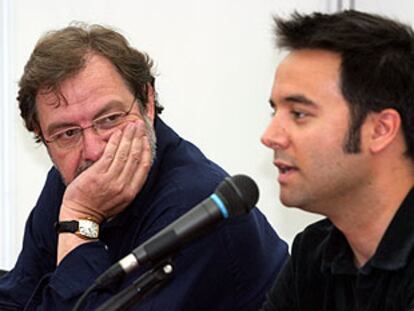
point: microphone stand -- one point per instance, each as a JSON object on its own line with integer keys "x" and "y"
{"x": 140, "y": 288}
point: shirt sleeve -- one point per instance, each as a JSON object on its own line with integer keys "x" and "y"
{"x": 60, "y": 289}
{"x": 37, "y": 257}
{"x": 35, "y": 283}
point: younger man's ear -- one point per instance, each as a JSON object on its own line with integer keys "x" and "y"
{"x": 386, "y": 125}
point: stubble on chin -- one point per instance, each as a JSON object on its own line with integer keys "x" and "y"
{"x": 81, "y": 168}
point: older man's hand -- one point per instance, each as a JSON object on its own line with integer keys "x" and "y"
{"x": 107, "y": 187}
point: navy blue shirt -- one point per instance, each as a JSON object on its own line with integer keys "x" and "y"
{"x": 230, "y": 268}
{"x": 321, "y": 274}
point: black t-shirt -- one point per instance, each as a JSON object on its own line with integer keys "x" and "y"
{"x": 321, "y": 275}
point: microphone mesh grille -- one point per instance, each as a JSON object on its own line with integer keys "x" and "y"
{"x": 239, "y": 194}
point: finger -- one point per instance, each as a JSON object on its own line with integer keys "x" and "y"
{"x": 140, "y": 173}
{"x": 123, "y": 152}
{"x": 136, "y": 155}
{"x": 105, "y": 161}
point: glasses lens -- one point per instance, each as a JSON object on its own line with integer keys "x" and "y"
{"x": 67, "y": 138}
{"x": 71, "y": 137}
{"x": 110, "y": 121}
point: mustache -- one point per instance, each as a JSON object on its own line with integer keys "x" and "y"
{"x": 278, "y": 156}
{"x": 83, "y": 167}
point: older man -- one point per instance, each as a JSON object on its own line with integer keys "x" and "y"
{"x": 90, "y": 98}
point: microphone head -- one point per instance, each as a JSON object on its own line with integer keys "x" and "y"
{"x": 239, "y": 194}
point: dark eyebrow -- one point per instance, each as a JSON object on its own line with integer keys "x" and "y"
{"x": 294, "y": 99}
{"x": 114, "y": 104}
{"x": 299, "y": 99}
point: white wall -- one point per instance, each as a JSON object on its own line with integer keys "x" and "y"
{"x": 215, "y": 61}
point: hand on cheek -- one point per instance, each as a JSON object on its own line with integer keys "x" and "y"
{"x": 112, "y": 182}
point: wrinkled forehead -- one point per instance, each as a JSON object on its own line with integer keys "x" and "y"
{"x": 97, "y": 78}
{"x": 97, "y": 86}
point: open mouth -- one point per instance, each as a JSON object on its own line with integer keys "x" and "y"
{"x": 285, "y": 171}
{"x": 283, "y": 168}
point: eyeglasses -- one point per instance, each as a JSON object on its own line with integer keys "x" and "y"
{"x": 70, "y": 137}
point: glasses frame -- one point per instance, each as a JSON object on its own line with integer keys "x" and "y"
{"x": 95, "y": 125}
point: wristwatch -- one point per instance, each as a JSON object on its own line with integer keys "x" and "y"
{"x": 84, "y": 228}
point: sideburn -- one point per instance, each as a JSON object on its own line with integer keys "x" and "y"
{"x": 352, "y": 139}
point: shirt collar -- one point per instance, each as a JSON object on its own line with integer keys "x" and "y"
{"x": 398, "y": 241}
{"x": 392, "y": 253}
{"x": 337, "y": 256}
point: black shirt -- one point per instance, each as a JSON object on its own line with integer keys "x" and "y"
{"x": 321, "y": 274}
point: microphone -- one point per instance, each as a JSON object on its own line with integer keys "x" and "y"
{"x": 234, "y": 196}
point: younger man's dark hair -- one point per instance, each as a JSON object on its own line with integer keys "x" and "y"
{"x": 377, "y": 69}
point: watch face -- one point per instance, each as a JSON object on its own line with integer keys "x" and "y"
{"x": 88, "y": 228}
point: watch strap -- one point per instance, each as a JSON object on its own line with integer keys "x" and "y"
{"x": 84, "y": 228}
{"x": 67, "y": 226}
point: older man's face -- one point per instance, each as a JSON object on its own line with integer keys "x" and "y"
{"x": 98, "y": 92}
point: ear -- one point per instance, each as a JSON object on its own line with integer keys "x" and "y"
{"x": 150, "y": 109}
{"x": 38, "y": 135}
{"x": 385, "y": 128}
